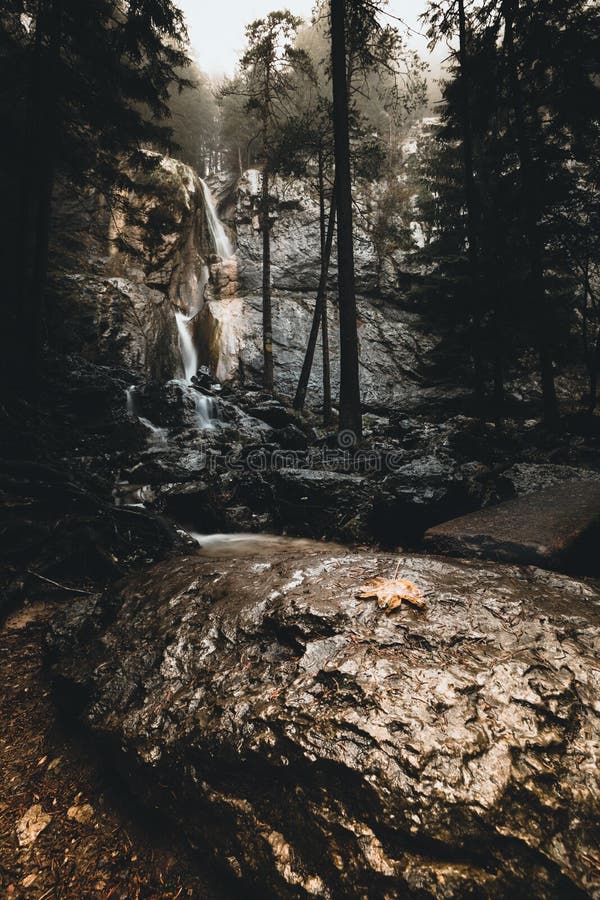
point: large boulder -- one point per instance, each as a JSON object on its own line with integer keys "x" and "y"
{"x": 323, "y": 748}
{"x": 557, "y": 528}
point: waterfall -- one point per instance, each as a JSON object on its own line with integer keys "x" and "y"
{"x": 207, "y": 408}
{"x": 158, "y": 436}
{"x": 221, "y": 243}
{"x": 189, "y": 355}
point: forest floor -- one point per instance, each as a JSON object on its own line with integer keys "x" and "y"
{"x": 93, "y": 845}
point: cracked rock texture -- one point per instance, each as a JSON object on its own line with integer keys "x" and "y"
{"x": 396, "y": 351}
{"x": 325, "y": 749}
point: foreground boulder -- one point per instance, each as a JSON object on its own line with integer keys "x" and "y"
{"x": 324, "y": 748}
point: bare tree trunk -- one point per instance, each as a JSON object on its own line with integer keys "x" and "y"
{"x": 325, "y": 258}
{"x": 471, "y": 199}
{"x": 530, "y": 192}
{"x": 594, "y": 369}
{"x": 317, "y": 321}
{"x": 21, "y": 343}
{"x": 49, "y": 128}
{"x": 350, "y": 408}
{"x": 266, "y": 286}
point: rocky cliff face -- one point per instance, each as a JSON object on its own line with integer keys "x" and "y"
{"x": 142, "y": 259}
{"x": 396, "y": 349}
{"x": 397, "y": 346}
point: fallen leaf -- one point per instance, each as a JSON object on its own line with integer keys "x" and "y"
{"x": 389, "y": 593}
{"x": 31, "y": 825}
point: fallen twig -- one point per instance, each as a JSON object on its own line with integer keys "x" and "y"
{"x": 57, "y": 584}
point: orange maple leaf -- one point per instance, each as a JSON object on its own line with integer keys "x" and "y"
{"x": 390, "y": 592}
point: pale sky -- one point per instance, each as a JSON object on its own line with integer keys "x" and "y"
{"x": 217, "y": 27}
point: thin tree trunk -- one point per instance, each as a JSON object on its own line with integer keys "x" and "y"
{"x": 595, "y": 368}
{"x": 471, "y": 199}
{"x": 266, "y": 298}
{"x": 317, "y": 321}
{"x": 21, "y": 336}
{"x": 530, "y": 209}
{"x": 46, "y": 180}
{"x": 325, "y": 258}
{"x": 350, "y": 408}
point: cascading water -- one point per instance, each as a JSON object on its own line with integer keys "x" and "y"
{"x": 207, "y": 408}
{"x": 187, "y": 350}
{"x": 157, "y": 436}
{"x": 221, "y": 242}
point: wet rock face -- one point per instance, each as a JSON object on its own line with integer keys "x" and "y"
{"x": 322, "y": 748}
{"x": 395, "y": 351}
{"x": 295, "y": 240}
{"x": 129, "y": 325}
{"x": 139, "y": 261}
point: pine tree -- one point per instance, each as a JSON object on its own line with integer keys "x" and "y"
{"x": 267, "y": 66}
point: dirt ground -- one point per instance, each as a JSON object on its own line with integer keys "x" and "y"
{"x": 94, "y": 843}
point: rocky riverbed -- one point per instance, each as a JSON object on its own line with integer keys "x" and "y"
{"x": 311, "y": 742}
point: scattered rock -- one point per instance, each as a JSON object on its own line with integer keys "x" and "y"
{"x": 82, "y": 814}
{"x": 31, "y": 825}
{"x": 529, "y": 478}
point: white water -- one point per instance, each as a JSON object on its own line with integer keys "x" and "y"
{"x": 207, "y": 408}
{"x": 251, "y": 543}
{"x": 158, "y": 436}
{"x": 187, "y": 350}
{"x": 221, "y": 242}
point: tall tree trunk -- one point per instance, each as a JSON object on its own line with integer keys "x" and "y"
{"x": 20, "y": 336}
{"x": 594, "y": 369}
{"x": 350, "y": 409}
{"x": 38, "y": 175}
{"x": 530, "y": 192}
{"x": 317, "y": 321}
{"x": 325, "y": 257}
{"x": 471, "y": 200}
{"x": 266, "y": 286}
{"x": 46, "y": 176}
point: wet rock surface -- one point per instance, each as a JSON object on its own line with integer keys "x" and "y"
{"x": 396, "y": 350}
{"x": 323, "y": 748}
{"x": 296, "y": 241}
{"x": 558, "y": 528}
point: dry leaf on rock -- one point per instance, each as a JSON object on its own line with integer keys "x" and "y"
{"x": 31, "y": 825}
{"x": 390, "y": 592}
